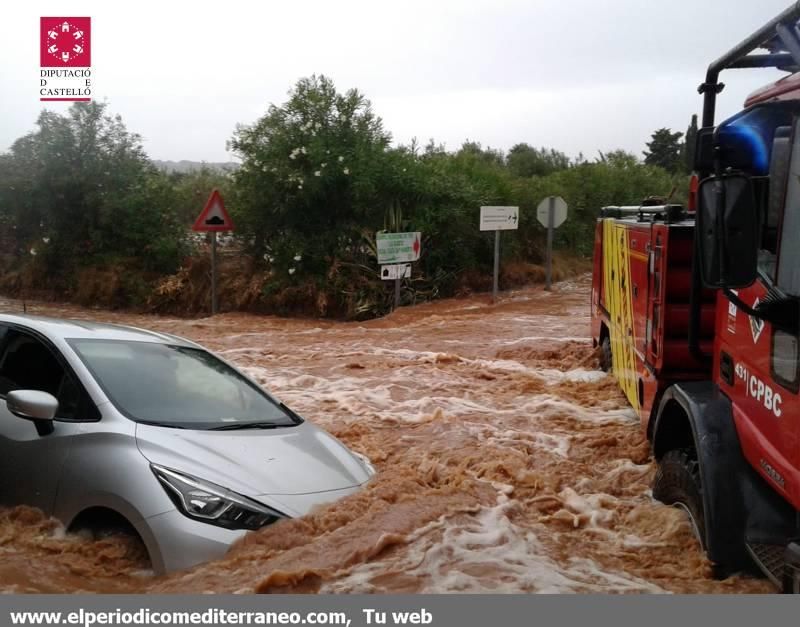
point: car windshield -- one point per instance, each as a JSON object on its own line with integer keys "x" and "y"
{"x": 178, "y": 386}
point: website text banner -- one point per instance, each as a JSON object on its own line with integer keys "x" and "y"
{"x": 362, "y": 610}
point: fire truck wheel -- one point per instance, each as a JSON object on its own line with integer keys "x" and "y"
{"x": 605, "y": 354}
{"x": 677, "y": 483}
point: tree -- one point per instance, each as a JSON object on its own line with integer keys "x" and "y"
{"x": 525, "y": 161}
{"x": 80, "y": 190}
{"x": 615, "y": 178}
{"x": 311, "y": 171}
{"x": 619, "y": 159}
{"x": 665, "y": 149}
{"x": 689, "y": 145}
{"x": 488, "y": 154}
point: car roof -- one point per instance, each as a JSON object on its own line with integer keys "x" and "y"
{"x": 86, "y": 329}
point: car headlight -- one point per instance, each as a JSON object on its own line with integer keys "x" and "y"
{"x": 213, "y": 504}
{"x": 366, "y": 463}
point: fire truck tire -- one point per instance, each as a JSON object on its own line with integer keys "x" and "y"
{"x": 677, "y": 483}
{"x": 605, "y": 354}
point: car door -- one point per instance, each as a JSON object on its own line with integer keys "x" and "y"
{"x": 30, "y": 463}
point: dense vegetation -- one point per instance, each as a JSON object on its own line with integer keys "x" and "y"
{"x": 84, "y": 214}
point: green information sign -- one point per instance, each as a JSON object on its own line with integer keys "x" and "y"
{"x": 397, "y": 247}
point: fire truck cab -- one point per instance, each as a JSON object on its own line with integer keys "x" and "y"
{"x": 697, "y": 312}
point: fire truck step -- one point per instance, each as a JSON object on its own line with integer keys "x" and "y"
{"x": 770, "y": 559}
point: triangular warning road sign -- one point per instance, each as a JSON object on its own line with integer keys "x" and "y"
{"x": 213, "y": 217}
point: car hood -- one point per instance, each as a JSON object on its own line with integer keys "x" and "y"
{"x": 302, "y": 459}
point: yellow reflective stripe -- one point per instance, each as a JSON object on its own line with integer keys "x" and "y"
{"x": 619, "y": 302}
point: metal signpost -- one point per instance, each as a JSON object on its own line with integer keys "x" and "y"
{"x": 551, "y": 213}
{"x": 498, "y": 219}
{"x": 396, "y": 251}
{"x": 213, "y": 219}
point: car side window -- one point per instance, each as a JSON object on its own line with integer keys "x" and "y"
{"x": 27, "y": 364}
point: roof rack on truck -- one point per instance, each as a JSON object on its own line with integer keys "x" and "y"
{"x": 645, "y": 213}
{"x": 780, "y": 37}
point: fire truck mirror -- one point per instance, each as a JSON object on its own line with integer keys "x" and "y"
{"x": 728, "y": 231}
{"x": 704, "y": 150}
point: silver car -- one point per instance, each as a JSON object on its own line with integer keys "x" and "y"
{"x": 105, "y": 425}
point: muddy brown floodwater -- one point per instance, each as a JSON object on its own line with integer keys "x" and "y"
{"x": 506, "y": 463}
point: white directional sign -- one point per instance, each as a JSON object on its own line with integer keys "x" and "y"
{"x": 397, "y": 247}
{"x": 559, "y": 211}
{"x": 499, "y": 218}
{"x": 396, "y": 271}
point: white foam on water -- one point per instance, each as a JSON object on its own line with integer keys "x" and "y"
{"x": 624, "y": 466}
{"x": 548, "y": 375}
{"x": 545, "y": 338}
{"x": 582, "y": 375}
{"x": 546, "y": 406}
{"x": 599, "y": 509}
{"x": 240, "y": 351}
{"x": 389, "y": 397}
{"x": 505, "y": 437}
{"x": 487, "y": 552}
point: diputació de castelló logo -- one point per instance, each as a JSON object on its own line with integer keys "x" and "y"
{"x": 65, "y": 57}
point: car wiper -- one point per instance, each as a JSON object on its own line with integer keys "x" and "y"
{"x": 169, "y": 425}
{"x": 247, "y": 425}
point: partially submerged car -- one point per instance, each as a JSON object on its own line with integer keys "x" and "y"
{"x": 111, "y": 425}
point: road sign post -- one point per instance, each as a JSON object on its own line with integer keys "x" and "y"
{"x": 498, "y": 219}
{"x": 551, "y": 213}
{"x": 496, "y": 272}
{"x": 397, "y": 249}
{"x": 214, "y": 300}
{"x": 396, "y": 293}
{"x": 213, "y": 219}
{"x": 551, "y": 208}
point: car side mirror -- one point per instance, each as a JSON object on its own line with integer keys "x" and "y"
{"x": 727, "y": 231}
{"x": 34, "y": 405}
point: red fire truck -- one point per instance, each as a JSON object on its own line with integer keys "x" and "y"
{"x": 697, "y": 312}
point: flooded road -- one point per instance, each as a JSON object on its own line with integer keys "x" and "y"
{"x": 506, "y": 463}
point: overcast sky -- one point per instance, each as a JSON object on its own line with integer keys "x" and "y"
{"x": 577, "y": 75}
